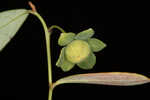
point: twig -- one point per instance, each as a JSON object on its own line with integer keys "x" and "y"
{"x": 32, "y": 6}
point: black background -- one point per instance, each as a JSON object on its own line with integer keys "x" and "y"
{"x": 23, "y": 65}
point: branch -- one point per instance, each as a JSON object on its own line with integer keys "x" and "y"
{"x": 32, "y": 6}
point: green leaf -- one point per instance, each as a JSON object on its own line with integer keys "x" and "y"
{"x": 88, "y": 63}
{"x": 108, "y": 78}
{"x": 10, "y": 22}
{"x": 65, "y": 38}
{"x": 86, "y": 34}
{"x": 96, "y": 45}
{"x": 63, "y": 63}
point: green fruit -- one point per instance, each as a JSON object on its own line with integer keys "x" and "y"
{"x": 88, "y": 63}
{"x": 77, "y": 51}
{"x": 96, "y": 45}
{"x": 65, "y": 38}
{"x": 86, "y": 34}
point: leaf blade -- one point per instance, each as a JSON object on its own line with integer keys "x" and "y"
{"x": 10, "y": 22}
{"x": 109, "y": 78}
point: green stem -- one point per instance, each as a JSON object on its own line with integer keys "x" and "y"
{"x": 57, "y": 27}
{"x": 50, "y": 93}
{"x": 47, "y": 37}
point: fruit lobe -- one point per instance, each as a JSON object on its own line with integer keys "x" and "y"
{"x": 77, "y": 51}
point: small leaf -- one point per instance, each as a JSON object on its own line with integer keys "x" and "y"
{"x": 84, "y": 35}
{"x": 109, "y": 78}
{"x": 10, "y": 22}
{"x": 88, "y": 63}
{"x": 96, "y": 45}
{"x": 63, "y": 63}
{"x": 65, "y": 38}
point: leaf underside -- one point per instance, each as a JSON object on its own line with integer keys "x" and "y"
{"x": 108, "y": 78}
{"x": 10, "y": 22}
